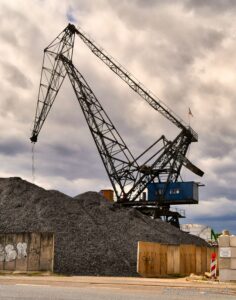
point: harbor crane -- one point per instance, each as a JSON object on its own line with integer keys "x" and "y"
{"x": 130, "y": 176}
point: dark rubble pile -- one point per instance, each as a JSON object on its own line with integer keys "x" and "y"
{"x": 91, "y": 236}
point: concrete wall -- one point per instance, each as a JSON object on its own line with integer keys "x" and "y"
{"x": 26, "y": 252}
{"x": 227, "y": 258}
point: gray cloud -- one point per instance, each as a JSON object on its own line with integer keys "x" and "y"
{"x": 216, "y": 6}
{"x": 16, "y": 77}
{"x": 12, "y": 147}
{"x": 218, "y": 223}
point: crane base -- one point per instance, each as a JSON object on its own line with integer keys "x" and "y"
{"x": 155, "y": 211}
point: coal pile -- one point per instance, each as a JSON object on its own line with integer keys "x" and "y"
{"x": 91, "y": 236}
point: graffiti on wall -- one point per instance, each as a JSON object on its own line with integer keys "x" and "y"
{"x": 26, "y": 251}
{"x": 9, "y": 253}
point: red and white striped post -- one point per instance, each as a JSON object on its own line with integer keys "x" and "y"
{"x": 213, "y": 265}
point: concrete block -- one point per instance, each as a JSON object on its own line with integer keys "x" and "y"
{"x": 233, "y": 275}
{"x": 227, "y": 275}
{"x": 233, "y": 263}
{"x": 224, "y": 263}
{"x": 232, "y": 241}
{"x": 224, "y": 241}
{"x": 233, "y": 252}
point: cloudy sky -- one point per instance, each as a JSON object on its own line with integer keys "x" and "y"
{"x": 184, "y": 51}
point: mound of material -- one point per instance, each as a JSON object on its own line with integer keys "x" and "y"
{"x": 91, "y": 236}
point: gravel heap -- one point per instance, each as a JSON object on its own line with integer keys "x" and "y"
{"x": 91, "y": 236}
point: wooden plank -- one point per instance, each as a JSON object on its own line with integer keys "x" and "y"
{"x": 187, "y": 259}
{"x": 176, "y": 260}
{"x": 170, "y": 259}
{"x": 192, "y": 259}
{"x": 22, "y": 245}
{"x": 198, "y": 260}
{"x": 187, "y": 255}
{"x": 2, "y": 251}
{"x": 173, "y": 260}
{"x": 139, "y": 266}
{"x": 144, "y": 259}
{"x": 155, "y": 256}
{"x": 46, "y": 252}
{"x": 204, "y": 267}
{"x": 34, "y": 252}
{"x": 209, "y": 252}
{"x": 148, "y": 259}
{"x": 183, "y": 259}
{"x": 163, "y": 259}
{"x": 10, "y": 252}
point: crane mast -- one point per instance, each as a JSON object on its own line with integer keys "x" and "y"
{"x": 128, "y": 175}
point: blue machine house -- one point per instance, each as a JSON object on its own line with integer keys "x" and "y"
{"x": 174, "y": 192}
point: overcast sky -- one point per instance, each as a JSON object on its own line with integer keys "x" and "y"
{"x": 184, "y": 51}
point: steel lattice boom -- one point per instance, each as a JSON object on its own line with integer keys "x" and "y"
{"x": 139, "y": 88}
{"x": 52, "y": 75}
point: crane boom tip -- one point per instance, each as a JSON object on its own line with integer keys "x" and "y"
{"x": 34, "y": 138}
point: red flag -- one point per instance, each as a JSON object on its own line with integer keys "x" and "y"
{"x": 190, "y": 113}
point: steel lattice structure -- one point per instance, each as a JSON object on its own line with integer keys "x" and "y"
{"x": 129, "y": 177}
